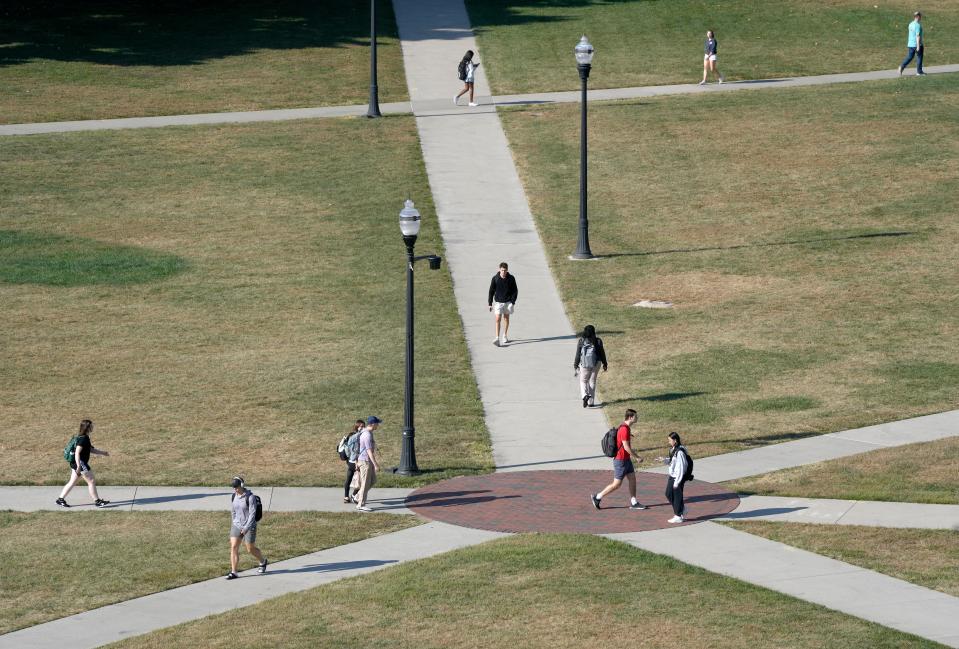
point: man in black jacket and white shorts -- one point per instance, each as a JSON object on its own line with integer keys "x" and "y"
{"x": 501, "y": 300}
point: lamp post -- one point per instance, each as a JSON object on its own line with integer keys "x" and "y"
{"x": 374, "y": 109}
{"x": 584, "y": 58}
{"x": 410, "y": 228}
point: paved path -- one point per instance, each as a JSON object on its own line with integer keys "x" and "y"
{"x": 857, "y": 591}
{"x": 845, "y": 512}
{"x": 440, "y": 102}
{"x": 144, "y": 614}
{"x": 532, "y": 407}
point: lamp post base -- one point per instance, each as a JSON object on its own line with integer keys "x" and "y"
{"x": 408, "y": 454}
{"x": 580, "y": 256}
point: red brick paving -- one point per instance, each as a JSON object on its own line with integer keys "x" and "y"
{"x": 558, "y": 501}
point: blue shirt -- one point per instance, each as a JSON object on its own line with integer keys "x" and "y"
{"x": 711, "y": 45}
{"x": 915, "y": 32}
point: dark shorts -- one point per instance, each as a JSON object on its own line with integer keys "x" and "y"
{"x": 622, "y": 468}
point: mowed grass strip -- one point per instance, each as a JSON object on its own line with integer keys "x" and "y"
{"x": 62, "y": 60}
{"x": 527, "y": 45}
{"x": 59, "y": 564}
{"x": 285, "y": 323}
{"x": 922, "y": 473}
{"x": 534, "y": 591}
{"x": 924, "y": 557}
{"x": 806, "y": 238}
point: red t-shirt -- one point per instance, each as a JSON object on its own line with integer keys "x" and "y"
{"x": 622, "y": 435}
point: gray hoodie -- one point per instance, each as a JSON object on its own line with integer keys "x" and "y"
{"x": 244, "y": 512}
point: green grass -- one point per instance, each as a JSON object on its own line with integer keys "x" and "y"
{"x": 922, "y": 473}
{"x": 58, "y": 564}
{"x": 62, "y": 60}
{"x": 924, "y": 557}
{"x": 284, "y": 323}
{"x": 806, "y": 238}
{"x": 535, "y": 591}
{"x": 527, "y": 45}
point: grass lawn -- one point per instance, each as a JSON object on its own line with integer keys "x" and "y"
{"x": 222, "y": 300}
{"x": 924, "y": 557}
{"x": 922, "y": 473}
{"x": 527, "y": 45}
{"x": 63, "y": 60}
{"x": 806, "y": 237}
{"x": 574, "y": 586}
{"x": 58, "y": 565}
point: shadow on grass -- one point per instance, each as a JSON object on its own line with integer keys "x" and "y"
{"x": 797, "y": 242}
{"x": 666, "y": 396}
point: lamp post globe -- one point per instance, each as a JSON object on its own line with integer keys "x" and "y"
{"x": 410, "y": 228}
{"x": 584, "y": 59}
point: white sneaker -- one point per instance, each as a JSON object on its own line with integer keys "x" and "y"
{"x": 496, "y": 341}
{"x": 703, "y": 82}
{"x": 363, "y": 508}
{"x": 722, "y": 79}
{"x": 675, "y": 519}
{"x": 456, "y": 101}
{"x": 505, "y": 341}
{"x": 473, "y": 103}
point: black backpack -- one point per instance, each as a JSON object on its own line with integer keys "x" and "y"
{"x": 610, "y": 447}
{"x": 688, "y": 476}
{"x": 256, "y": 503}
{"x": 461, "y": 70}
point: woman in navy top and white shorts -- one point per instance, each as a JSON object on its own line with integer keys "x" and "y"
{"x": 709, "y": 58}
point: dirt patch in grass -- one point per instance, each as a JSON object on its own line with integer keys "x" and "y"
{"x": 811, "y": 275}
{"x": 286, "y": 324}
{"x": 924, "y": 557}
{"x": 64, "y": 564}
{"x": 924, "y": 473}
{"x": 473, "y": 597}
{"x": 62, "y": 60}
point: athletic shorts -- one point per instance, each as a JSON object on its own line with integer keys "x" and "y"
{"x": 709, "y": 57}
{"x": 249, "y": 537}
{"x": 502, "y": 308}
{"x": 622, "y": 468}
{"x": 83, "y": 470}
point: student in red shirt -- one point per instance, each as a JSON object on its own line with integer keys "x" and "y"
{"x": 623, "y": 464}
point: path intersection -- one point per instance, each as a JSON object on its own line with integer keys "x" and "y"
{"x": 528, "y": 394}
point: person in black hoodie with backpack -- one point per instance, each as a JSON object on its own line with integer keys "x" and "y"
{"x": 680, "y": 472}
{"x": 590, "y": 355}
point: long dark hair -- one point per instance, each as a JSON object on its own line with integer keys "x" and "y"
{"x": 85, "y": 427}
{"x": 589, "y": 333}
{"x": 358, "y": 425}
{"x": 675, "y": 437}
{"x": 468, "y": 56}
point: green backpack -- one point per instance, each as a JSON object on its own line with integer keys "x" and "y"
{"x": 70, "y": 450}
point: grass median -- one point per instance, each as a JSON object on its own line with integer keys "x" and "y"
{"x": 62, "y": 60}
{"x": 921, "y": 473}
{"x": 535, "y": 591}
{"x": 225, "y": 300}
{"x": 62, "y": 564}
{"x": 924, "y": 557}
{"x": 527, "y": 46}
{"x": 805, "y": 238}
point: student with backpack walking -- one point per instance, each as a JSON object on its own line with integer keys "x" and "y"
{"x": 77, "y": 453}
{"x": 349, "y": 450}
{"x": 366, "y": 462}
{"x": 622, "y": 464}
{"x": 467, "y": 66}
{"x": 247, "y": 510}
{"x": 680, "y": 472}
{"x": 590, "y": 355}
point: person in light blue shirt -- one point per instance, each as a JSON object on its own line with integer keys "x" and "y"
{"x": 915, "y": 45}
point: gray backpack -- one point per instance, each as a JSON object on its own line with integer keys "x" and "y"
{"x": 587, "y": 356}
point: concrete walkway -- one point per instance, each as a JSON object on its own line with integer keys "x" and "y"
{"x": 845, "y": 512}
{"x": 440, "y": 103}
{"x": 144, "y": 614}
{"x": 840, "y": 586}
{"x": 531, "y": 400}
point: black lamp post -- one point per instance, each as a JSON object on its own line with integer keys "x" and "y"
{"x": 410, "y": 227}
{"x": 584, "y": 58}
{"x": 374, "y": 109}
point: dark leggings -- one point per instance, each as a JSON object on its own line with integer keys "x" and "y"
{"x": 350, "y": 470}
{"x": 675, "y": 495}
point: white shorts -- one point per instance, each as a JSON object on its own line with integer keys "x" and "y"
{"x": 502, "y": 308}
{"x": 709, "y": 57}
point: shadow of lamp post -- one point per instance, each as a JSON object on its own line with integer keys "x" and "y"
{"x": 410, "y": 228}
{"x": 584, "y": 58}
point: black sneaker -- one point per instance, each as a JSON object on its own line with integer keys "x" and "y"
{"x": 62, "y": 502}
{"x": 231, "y": 575}
{"x": 101, "y": 503}
{"x": 262, "y": 568}
{"x": 586, "y": 401}
{"x": 594, "y": 500}
{"x": 637, "y": 506}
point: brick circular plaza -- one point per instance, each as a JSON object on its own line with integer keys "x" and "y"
{"x": 558, "y": 501}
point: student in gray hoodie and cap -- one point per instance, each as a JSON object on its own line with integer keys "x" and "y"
{"x": 243, "y": 527}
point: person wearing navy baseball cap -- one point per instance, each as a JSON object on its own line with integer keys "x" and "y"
{"x": 366, "y": 462}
